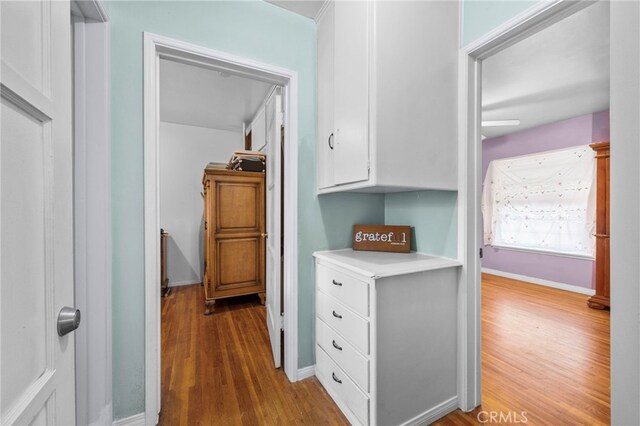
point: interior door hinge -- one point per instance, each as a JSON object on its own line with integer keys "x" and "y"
{"x": 480, "y": 252}
{"x": 282, "y": 321}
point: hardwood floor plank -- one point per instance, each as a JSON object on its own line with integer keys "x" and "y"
{"x": 218, "y": 369}
{"x": 544, "y": 352}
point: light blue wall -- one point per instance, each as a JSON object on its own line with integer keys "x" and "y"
{"x": 257, "y": 30}
{"x": 252, "y": 29}
{"x": 482, "y": 16}
{"x": 433, "y": 216}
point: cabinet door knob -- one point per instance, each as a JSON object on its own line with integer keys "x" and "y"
{"x": 335, "y": 378}
{"x": 337, "y": 315}
{"x": 336, "y": 283}
{"x": 335, "y": 345}
{"x": 330, "y": 141}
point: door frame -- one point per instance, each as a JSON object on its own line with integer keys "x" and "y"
{"x": 91, "y": 46}
{"x": 156, "y": 47}
{"x": 539, "y": 16}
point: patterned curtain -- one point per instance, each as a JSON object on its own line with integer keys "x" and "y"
{"x": 542, "y": 202}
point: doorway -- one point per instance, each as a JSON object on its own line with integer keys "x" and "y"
{"x": 534, "y": 20}
{"x": 545, "y": 106}
{"x": 158, "y": 48}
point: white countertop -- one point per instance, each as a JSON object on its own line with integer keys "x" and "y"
{"x": 375, "y": 264}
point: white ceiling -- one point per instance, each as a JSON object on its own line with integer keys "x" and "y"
{"x": 558, "y": 73}
{"x": 203, "y": 97}
{"x": 308, "y": 8}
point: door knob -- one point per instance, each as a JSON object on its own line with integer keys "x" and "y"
{"x": 68, "y": 320}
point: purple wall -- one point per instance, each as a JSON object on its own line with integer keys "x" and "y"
{"x": 562, "y": 134}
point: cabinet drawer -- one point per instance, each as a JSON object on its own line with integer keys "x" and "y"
{"x": 353, "y": 328}
{"x": 345, "y": 355}
{"x": 348, "y": 290}
{"x": 344, "y": 390}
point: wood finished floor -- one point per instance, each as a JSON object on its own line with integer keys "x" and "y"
{"x": 544, "y": 352}
{"x": 218, "y": 369}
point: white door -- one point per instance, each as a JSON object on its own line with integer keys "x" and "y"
{"x": 36, "y": 248}
{"x": 258, "y": 130}
{"x": 274, "y": 163}
{"x": 351, "y": 91}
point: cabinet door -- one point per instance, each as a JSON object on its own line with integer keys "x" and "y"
{"x": 351, "y": 91}
{"x": 326, "y": 138}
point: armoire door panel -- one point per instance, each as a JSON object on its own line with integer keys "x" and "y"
{"x": 238, "y": 206}
{"x": 238, "y": 261}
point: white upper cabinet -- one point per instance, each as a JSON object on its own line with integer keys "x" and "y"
{"x": 387, "y": 96}
{"x": 326, "y": 139}
{"x": 351, "y": 92}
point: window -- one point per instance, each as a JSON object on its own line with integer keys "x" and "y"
{"x": 542, "y": 202}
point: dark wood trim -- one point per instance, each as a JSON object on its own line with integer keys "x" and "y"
{"x": 247, "y": 141}
{"x": 602, "y": 272}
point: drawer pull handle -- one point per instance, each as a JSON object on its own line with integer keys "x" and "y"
{"x": 336, "y": 283}
{"x": 335, "y": 379}
{"x": 337, "y": 315}
{"x": 335, "y": 345}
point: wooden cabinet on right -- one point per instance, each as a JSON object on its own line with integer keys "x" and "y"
{"x": 387, "y": 111}
{"x": 602, "y": 276}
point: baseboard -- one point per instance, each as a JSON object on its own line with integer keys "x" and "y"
{"x": 181, "y": 283}
{"x": 434, "y": 414}
{"x": 539, "y": 281}
{"x": 135, "y": 420}
{"x": 306, "y": 372}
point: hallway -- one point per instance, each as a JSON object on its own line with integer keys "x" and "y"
{"x": 218, "y": 369}
{"x": 544, "y": 353}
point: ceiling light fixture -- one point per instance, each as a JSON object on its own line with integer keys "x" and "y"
{"x": 500, "y": 123}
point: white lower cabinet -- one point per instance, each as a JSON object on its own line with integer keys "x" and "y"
{"x": 386, "y": 332}
{"x": 342, "y": 389}
{"x": 353, "y": 362}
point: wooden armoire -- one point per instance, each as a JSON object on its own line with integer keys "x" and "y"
{"x": 602, "y": 274}
{"x": 234, "y": 234}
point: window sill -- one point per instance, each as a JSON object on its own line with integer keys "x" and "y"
{"x": 545, "y": 252}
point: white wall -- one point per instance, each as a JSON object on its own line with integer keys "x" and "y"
{"x": 184, "y": 153}
{"x": 625, "y": 213}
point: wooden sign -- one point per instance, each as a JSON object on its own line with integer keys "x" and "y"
{"x": 389, "y": 238}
